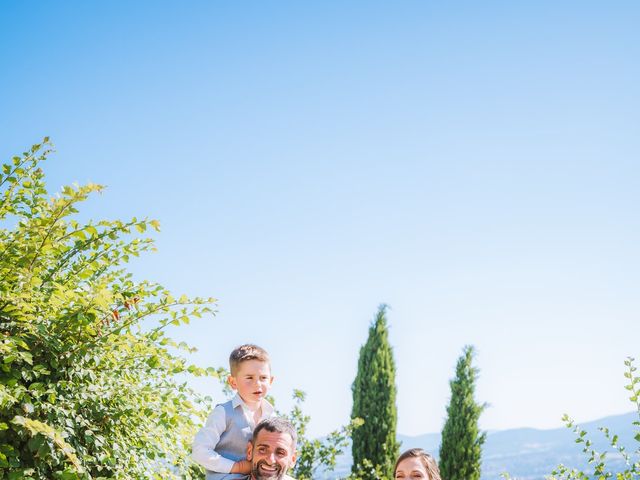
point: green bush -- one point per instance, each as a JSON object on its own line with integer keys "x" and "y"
{"x": 599, "y": 469}
{"x": 90, "y": 385}
{"x": 316, "y": 453}
{"x": 598, "y": 460}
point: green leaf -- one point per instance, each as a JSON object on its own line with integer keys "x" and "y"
{"x": 27, "y": 357}
{"x": 18, "y": 420}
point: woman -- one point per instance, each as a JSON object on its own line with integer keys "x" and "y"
{"x": 416, "y": 464}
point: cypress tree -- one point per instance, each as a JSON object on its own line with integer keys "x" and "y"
{"x": 374, "y": 401}
{"x": 461, "y": 445}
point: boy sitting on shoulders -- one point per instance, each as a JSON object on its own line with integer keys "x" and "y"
{"x": 221, "y": 445}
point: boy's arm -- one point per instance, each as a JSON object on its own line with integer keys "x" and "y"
{"x": 205, "y": 441}
{"x": 241, "y": 466}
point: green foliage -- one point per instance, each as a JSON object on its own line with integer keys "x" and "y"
{"x": 90, "y": 385}
{"x": 367, "y": 471}
{"x": 597, "y": 460}
{"x": 461, "y": 445}
{"x": 375, "y": 447}
{"x": 313, "y": 454}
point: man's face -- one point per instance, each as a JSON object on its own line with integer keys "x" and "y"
{"x": 272, "y": 455}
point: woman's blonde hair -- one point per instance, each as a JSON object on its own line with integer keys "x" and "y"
{"x": 428, "y": 461}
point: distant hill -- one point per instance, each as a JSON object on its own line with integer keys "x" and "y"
{"x": 528, "y": 453}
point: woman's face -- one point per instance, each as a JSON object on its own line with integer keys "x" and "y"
{"x": 411, "y": 468}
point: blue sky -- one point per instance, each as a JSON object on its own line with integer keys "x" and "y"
{"x": 474, "y": 165}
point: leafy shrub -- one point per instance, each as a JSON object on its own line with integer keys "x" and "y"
{"x": 90, "y": 385}
{"x": 317, "y": 453}
{"x": 600, "y": 470}
{"x": 598, "y": 460}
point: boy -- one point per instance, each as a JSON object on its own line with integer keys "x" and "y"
{"x": 221, "y": 445}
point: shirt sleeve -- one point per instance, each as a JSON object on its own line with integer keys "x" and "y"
{"x": 202, "y": 449}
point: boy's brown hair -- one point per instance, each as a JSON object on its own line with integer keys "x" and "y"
{"x": 244, "y": 353}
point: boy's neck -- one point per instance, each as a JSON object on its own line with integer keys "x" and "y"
{"x": 253, "y": 406}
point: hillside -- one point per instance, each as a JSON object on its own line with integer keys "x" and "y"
{"x": 528, "y": 453}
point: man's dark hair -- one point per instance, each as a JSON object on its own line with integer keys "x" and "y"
{"x": 276, "y": 425}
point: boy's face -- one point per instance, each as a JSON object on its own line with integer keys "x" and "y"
{"x": 252, "y": 380}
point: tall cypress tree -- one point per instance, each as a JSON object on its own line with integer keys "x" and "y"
{"x": 461, "y": 445}
{"x": 374, "y": 400}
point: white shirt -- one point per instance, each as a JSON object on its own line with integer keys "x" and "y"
{"x": 205, "y": 441}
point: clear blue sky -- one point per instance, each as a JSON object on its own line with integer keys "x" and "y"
{"x": 472, "y": 164}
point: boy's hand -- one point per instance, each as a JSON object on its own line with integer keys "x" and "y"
{"x": 241, "y": 466}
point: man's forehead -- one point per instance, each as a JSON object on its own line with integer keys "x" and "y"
{"x": 274, "y": 439}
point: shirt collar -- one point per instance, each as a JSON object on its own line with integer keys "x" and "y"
{"x": 267, "y": 408}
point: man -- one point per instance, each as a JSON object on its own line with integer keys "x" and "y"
{"x": 272, "y": 450}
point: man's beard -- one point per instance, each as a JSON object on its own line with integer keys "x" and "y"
{"x": 258, "y": 474}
